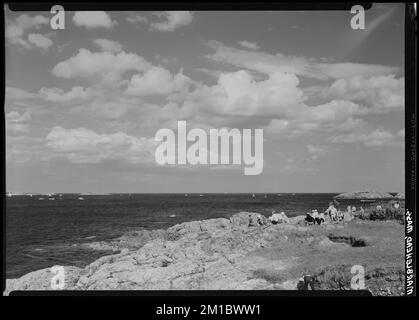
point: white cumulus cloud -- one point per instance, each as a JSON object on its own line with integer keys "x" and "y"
{"x": 380, "y": 93}
{"x": 105, "y": 65}
{"x": 237, "y": 93}
{"x": 136, "y": 18}
{"x": 93, "y": 19}
{"x": 17, "y": 29}
{"x": 267, "y": 63}
{"x": 248, "y": 45}
{"x": 108, "y": 45}
{"x": 58, "y": 95}
{"x": 157, "y": 81}
{"x": 40, "y": 41}
{"x": 172, "y": 20}
{"x": 81, "y": 145}
{"x": 377, "y": 138}
{"x": 17, "y": 123}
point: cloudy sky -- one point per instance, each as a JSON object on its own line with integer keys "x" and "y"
{"x": 83, "y": 104}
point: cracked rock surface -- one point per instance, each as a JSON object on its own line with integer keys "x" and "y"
{"x": 244, "y": 252}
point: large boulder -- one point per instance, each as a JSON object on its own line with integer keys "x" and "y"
{"x": 194, "y": 227}
{"x": 248, "y": 219}
{"x": 297, "y": 220}
{"x": 42, "y": 279}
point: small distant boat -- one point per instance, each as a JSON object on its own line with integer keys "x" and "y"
{"x": 186, "y": 195}
{"x": 253, "y": 196}
{"x": 51, "y": 199}
{"x": 201, "y": 195}
{"x": 172, "y": 216}
{"x": 80, "y": 198}
{"x": 40, "y": 198}
{"x": 9, "y": 195}
{"x": 279, "y": 194}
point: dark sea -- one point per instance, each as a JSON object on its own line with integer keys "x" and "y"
{"x": 43, "y": 233}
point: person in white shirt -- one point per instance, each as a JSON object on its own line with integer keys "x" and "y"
{"x": 332, "y": 212}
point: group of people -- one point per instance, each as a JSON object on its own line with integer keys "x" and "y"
{"x": 315, "y": 217}
{"x": 331, "y": 213}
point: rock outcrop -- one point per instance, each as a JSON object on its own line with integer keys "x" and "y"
{"x": 41, "y": 280}
{"x": 400, "y": 196}
{"x": 244, "y": 252}
{"x": 204, "y": 254}
{"x": 366, "y": 194}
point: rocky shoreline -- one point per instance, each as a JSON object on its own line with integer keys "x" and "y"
{"x": 245, "y": 252}
{"x": 369, "y": 195}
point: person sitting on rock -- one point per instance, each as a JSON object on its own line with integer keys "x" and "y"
{"x": 320, "y": 218}
{"x": 261, "y": 220}
{"x": 309, "y": 218}
{"x": 278, "y": 218}
{"x": 315, "y": 215}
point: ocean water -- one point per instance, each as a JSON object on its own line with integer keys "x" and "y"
{"x": 40, "y": 234}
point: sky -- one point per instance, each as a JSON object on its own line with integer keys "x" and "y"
{"x": 83, "y": 104}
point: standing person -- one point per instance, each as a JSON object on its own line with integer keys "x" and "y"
{"x": 332, "y": 211}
